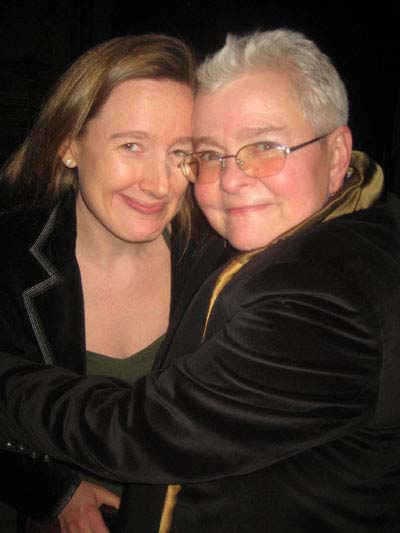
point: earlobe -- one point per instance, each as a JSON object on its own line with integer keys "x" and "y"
{"x": 67, "y": 153}
{"x": 340, "y": 146}
{"x": 69, "y": 162}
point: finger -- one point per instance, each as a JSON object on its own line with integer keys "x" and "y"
{"x": 105, "y": 497}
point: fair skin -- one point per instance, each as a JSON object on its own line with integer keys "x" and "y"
{"x": 82, "y": 515}
{"x": 262, "y": 106}
{"x": 130, "y": 188}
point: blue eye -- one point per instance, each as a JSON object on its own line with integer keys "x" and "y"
{"x": 265, "y": 146}
{"x": 132, "y": 147}
{"x": 209, "y": 156}
{"x": 180, "y": 153}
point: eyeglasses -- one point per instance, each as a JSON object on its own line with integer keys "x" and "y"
{"x": 258, "y": 160}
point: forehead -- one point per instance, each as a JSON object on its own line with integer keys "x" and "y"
{"x": 147, "y": 96}
{"x": 264, "y": 99}
{"x": 148, "y": 105}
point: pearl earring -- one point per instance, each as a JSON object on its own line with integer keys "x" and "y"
{"x": 68, "y": 163}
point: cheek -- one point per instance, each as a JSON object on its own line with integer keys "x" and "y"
{"x": 206, "y": 195}
{"x": 208, "y": 198}
{"x": 99, "y": 175}
{"x": 299, "y": 191}
{"x": 312, "y": 193}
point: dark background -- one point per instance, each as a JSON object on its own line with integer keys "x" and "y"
{"x": 39, "y": 39}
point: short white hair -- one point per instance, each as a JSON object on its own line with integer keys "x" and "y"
{"x": 321, "y": 92}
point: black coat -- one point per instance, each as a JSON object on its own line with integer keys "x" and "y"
{"x": 285, "y": 418}
{"x": 42, "y": 319}
{"x": 41, "y": 311}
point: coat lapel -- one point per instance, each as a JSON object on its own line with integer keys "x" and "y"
{"x": 31, "y": 293}
{"x": 53, "y": 296}
{"x": 212, "y": 256}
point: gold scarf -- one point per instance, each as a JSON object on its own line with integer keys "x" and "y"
{"x": 362, "y": 187}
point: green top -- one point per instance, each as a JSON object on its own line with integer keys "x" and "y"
{"x": 129, "y": 369}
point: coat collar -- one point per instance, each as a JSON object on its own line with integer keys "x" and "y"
{"x": 362, "y": 187}
{"x": 48, "y": 279}
{"x": 52, "y": 278}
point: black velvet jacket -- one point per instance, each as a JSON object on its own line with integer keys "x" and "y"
{"x": 42, "y": 319}
{"x": 286, "y": 417}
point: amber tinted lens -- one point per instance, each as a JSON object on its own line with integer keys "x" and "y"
{"x": 261, "y": 160}
{"x": 209, "y": 167}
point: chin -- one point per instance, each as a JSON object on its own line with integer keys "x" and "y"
{"x": 247, "y": 245}
{"x": 137, "y": 236}
{"x": 144, "y": 238}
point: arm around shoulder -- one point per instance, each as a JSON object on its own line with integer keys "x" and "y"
{"x": 283, "y": 369}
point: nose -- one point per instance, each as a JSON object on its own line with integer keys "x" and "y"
{"x": 233, "y": 178}
{"x": 156, "y": 179}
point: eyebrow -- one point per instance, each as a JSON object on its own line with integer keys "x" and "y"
{"x": 188, "y": 140}
{"x": 206, "y": 140}
{"x": 246, "y": 133}
{"x": 243, "y": 135}
{"x": 137, "y": 134}
{"x": 123, "y": 134}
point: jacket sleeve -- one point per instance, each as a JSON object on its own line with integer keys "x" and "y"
{"x": 33, "y": 484}
{"x": 288, "y": 370}
{"x": 35, "y": 487}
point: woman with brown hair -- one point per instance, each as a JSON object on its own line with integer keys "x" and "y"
{"x": 86, "y": 282}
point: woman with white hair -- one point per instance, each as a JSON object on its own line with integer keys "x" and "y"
{"x": 274, "y": 404}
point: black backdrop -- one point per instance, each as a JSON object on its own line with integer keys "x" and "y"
{"x": 38, "y": 39}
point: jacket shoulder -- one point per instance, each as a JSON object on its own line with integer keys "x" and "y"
{"x": 356, "y": 256}
{"x": 341, "y": 242}
{"x": 21, "y": 224}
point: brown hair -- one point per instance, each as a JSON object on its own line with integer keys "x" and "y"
{"x": 35, "y": 174}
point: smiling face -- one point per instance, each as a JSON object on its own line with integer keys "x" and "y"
{"x": 130, "y": 184}
{"x": 252, "y": 212}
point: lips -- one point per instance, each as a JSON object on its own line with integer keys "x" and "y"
{"x": 143, "y": 207}
{"x": 246, "y": 209}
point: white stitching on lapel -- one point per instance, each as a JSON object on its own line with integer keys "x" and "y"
{"x": 43, "y": 286}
